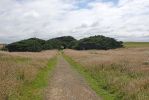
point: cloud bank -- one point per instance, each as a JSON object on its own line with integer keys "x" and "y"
{"x": 126, "y": 20}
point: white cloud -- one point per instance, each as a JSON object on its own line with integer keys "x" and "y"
{"x": 127, "y": 20}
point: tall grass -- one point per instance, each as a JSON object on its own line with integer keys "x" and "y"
{"x": 1, "y": 46}
{"x": 121, "y": 72}
{"x": 19, "y": 70}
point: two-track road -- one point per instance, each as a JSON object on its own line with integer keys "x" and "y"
{"x": 68, "y": 84}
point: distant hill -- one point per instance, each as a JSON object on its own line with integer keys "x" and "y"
{"x": 94, "y": 42}
{"x": 136, "y": 44}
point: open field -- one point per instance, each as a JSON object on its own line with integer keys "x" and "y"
{"x": 23, "y": 75}
{"x": 120, "y": 74}
{"x": 136, "y": 44}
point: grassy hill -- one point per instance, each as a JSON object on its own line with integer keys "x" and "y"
{"x": 136, "y": 44}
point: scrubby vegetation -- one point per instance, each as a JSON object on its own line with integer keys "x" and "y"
{"x": 65, "y": 42}
{"x": 120, "y": 74}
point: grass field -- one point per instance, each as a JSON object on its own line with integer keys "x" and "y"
{"x": 136, "y": 44}
{"x": 23, "y": 76}
{"x": 120, "y": 74}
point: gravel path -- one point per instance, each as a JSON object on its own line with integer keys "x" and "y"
{"x": 67, "y": 84}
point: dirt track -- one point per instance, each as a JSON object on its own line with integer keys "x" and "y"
{"x": 67, "y": 84}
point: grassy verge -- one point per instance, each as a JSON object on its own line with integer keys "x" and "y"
{"x": 34, "y": 90}
{"x": 95, "y": 85}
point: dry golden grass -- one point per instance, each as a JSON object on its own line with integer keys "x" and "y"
{"x": 19, "y": 67}
{"x": 123, "y": 72}
{"x": 134, "y": 57}
{"x": 1, "y": 46}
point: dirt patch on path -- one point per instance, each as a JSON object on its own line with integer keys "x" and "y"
{"x": 67, "y": 84}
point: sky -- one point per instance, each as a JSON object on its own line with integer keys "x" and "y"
{"x": 124, "y": 20}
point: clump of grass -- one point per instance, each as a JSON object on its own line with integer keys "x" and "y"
{"x": 145, "y": 63}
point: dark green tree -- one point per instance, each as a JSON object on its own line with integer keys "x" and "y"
{"x": 66, "y": 42}
{"x": 32, "y": 45}
{"x": 98, "y": 42}
{"x": 59, "y": 43}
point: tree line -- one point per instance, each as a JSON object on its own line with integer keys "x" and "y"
{"x": 66, "y": 42}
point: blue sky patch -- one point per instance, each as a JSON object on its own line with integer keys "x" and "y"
{"x": 114, "y": 1}
{"x": 84, "y": 4}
